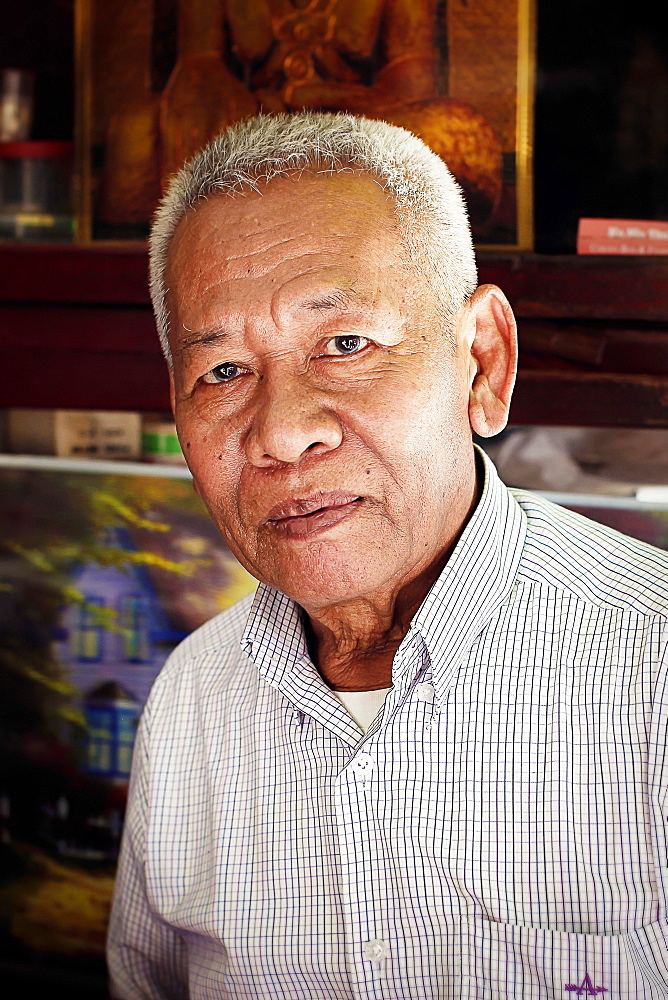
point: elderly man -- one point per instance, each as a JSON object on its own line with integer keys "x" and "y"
{"x": 427, "y": 760}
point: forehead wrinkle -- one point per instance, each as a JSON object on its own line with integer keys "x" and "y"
{"x": 222, "y": 254}
{"x": 265, "y": 237}
{"x": 263, "y": 248}
{"x": 269, "y": 242}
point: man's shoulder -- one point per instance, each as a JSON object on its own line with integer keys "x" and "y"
{"x": 597, "y": 563}
{"x": 223, "y": 631}
{"x": 211, "y": 655}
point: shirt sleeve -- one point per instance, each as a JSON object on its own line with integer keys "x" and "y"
{"x": 146, "y": 957}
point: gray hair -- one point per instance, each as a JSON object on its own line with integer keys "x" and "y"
{"x": 429, "y": 205}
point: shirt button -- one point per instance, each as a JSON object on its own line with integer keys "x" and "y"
{"x": 362, "y": 766}
{"x": 425, "y": 692}
{"x": 375, "y": 950}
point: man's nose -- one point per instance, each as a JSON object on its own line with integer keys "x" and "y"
{"x": 290, "y": 420}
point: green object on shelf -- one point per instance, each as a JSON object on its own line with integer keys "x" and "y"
{"x": 160, "y": 444}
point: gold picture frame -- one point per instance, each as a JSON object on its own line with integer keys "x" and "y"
{"x": 459, "y": 73}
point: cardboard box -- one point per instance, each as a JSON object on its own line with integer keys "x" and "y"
{"x": 75, "y": 433}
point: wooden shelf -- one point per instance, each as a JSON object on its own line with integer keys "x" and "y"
{"x": 76, "y": 330}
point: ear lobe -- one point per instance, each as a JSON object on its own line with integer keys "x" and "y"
{"x": 494, "y": 352}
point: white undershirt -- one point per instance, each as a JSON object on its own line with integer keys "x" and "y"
{"x": 362, "y": 706}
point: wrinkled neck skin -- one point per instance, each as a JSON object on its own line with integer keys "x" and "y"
{"x": 353, "y": 643}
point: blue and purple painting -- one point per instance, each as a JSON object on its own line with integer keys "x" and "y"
{"x": 100, "y": 577}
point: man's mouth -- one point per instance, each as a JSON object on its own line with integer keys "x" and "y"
{"x": 300, "y": 518}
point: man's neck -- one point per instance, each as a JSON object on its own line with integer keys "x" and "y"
{"x": 353, "y": 644}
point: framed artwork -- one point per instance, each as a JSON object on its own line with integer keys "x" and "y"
{"x": 156, "y": 79}
{"x": 102, "y": 575}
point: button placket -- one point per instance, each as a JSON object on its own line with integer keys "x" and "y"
{"x": 425, "y": 693}
{"x": 361, "y": 873}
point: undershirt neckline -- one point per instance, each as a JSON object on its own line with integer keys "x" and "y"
{"x": 362, "y": 706}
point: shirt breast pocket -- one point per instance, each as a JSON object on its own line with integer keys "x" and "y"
{"x": 508, "y": 961}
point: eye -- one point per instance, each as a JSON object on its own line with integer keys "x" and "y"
{"x": 225, "y": 372}
{"x": 347, "y": 343}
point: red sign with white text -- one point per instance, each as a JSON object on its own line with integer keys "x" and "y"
{"x": 622, "y": 236}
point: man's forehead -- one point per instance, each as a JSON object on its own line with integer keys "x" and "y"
{"x": 313, "y": 203}
{"x": 294, "y": 230}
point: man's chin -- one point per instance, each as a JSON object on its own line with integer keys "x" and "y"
{"x": 327, "y": 581}
{"x": 342, "y": 559}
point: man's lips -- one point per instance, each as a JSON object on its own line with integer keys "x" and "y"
{"x": 305, "y": 516}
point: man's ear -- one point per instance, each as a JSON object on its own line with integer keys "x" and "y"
{"x": 492, "y": 342}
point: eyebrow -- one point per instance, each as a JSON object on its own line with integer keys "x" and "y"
{"x": 201, "y": 338}
{"x": 337, "y": 298}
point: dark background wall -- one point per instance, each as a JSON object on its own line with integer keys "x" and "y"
{"x": 601, "y": 135}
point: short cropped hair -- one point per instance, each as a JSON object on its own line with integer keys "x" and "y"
{"x": 429, "y": 205}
